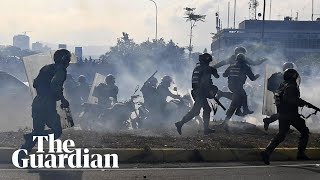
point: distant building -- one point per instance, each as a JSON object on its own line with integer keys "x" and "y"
{"x": 62, "y": 46}
{"x": 21, "y": 41}
{"x": 78, "y": 53}
{"x": 39, "y": 47}
{"x": 295, "y": 37}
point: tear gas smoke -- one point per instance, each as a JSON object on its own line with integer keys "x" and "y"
{"x": 129, "y": 76}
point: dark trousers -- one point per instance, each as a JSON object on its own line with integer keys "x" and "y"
{"x": 284, "y": 125}
{"x": 272, "y": 118}
{"x": 43, "y": 113}
{"x": 221, "y": 94}
{"x": 239, "y": 98}
{"x": 200, "y": 102}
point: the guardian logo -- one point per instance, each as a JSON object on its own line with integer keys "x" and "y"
{"x": 61, "y": 152}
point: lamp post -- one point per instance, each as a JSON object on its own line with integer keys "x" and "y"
{"x": 156, "y": 18}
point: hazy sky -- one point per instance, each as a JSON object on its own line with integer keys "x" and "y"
{"x": 100, "y": 22}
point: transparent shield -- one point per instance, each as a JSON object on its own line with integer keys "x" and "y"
{"x": 269, "y": 107}
{"x": 98, "y": 78}
{"x": 32, "y": 65}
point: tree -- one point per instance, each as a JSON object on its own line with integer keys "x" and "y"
{"x": 155, "y": 54}
{"x": 192, "y": 18}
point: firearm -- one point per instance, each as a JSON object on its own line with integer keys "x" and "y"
{"x": 219, "y": 103}
{"x": 69, "y": 117}
{"x": 150, "y": 77}
{"x": 309, "y": 105}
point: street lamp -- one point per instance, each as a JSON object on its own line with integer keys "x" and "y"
{"x": 156, "y": 18}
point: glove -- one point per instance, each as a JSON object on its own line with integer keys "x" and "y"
{"x": 64, "y": 103}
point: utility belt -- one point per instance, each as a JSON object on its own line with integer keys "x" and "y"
{"x": 205, "y": 92}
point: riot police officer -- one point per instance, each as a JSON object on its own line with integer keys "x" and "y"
{"x": 272, "y": 85}
{"x": 49, "y": 87}
{"x": 164, "y": 92}
{"x": 202, "y": 88}
{"x": 107, "y": 92}
{"x": 83, "y": 88}
{"x": 237, "y": 75}
{"x": 150, "y": 94}
{"x": 232, "y": 59}
{"x": 287, "y": 99}
{"x": 70, "y": 86}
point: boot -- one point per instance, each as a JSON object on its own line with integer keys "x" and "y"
{"x": 179, "y": 125}
{"x": 265, "y": 157}
{"x": 247, "y": 111}
{"x": 209, "y": 131}
{"x": 266, "y": 123}
{"x": 225, "y": 125}
{"x": 239, "y": 113}
{"x": 206, "y": 119}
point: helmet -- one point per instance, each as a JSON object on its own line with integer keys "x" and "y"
{"x": 287, "y": 65}
{"x": 82, "y": 79}
{"x": 205, "y": 57}
{"x": 240, "y": 57}
{"x": 166, "y": 79}
{"x": 240, "y": 49}
{"x": 110, "y": 78}
{"x": 62, "y": 56}
{"x": 290, "y": 74}
{"x": 153, "y": 80}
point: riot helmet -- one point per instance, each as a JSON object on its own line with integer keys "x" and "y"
{"x": 110, "y": 79}
{"x": 153, "y": 81}
{"x": 291, "y": 75}
{"x": 239, "y": 50}
{"x": 240, "y": 58}
{"x": 205, "y": 58}
{"x": 166, "y": 80}
{"x": 287, "y": 65}
{"x": 82, "y": 79}
{"x": 62, "y": 56}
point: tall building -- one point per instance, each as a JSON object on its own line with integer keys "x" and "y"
{"x": 293, "y": 37}
{"x": 62, "y": 46}
{"x": 78, "y": 53}
{"x": 21, "y": 41}
{"x": 39, "y": 47}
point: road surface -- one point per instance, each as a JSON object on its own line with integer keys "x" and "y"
{"x": 199, "y": 171}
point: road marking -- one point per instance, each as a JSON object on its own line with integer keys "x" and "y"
{"x": 180, "y": 168}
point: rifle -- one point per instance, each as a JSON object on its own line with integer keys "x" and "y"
{"x": 219, "y": 103}
{"x": 150, "y": 77}
{"x": 309, "y": 105}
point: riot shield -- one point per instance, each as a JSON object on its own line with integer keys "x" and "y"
{"x": 98, "y": 78}
{"x": 269, "y": 107}
{"x": 32, "y": 65}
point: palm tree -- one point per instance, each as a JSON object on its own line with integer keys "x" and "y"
{"x": 192, "y": 18}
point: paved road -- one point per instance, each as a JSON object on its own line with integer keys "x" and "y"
{"x": 203, "y": 171}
